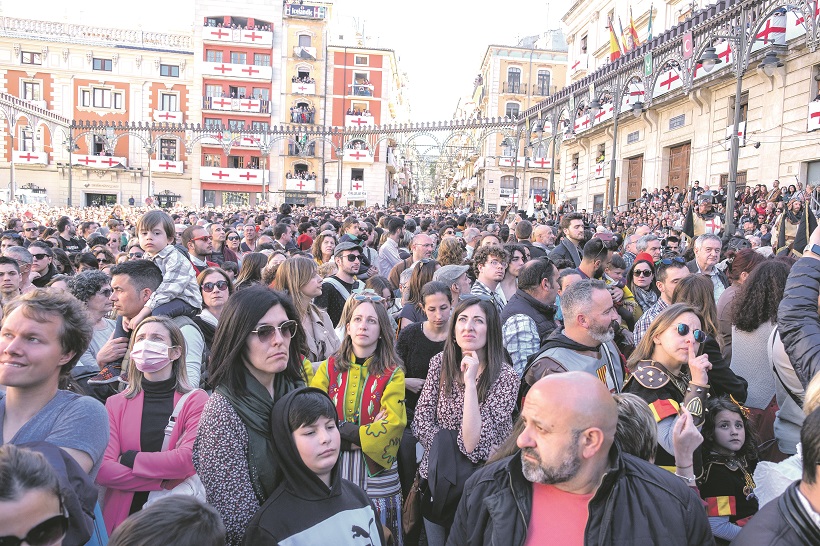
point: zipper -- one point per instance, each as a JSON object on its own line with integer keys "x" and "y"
{"x": 518, "y": 506}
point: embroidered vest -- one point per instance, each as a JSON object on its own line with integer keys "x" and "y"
{"x": 370, "y": 401}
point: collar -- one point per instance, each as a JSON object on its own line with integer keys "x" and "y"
{"x": 815, "y": 517}
{"x": 164, "y": 252}
{"x": 538, "y": 305}
{"x": 197, "y": 261}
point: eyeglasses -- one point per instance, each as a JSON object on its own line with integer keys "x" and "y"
{"x": 30, "y": 229}
{"x": 44, "y": 533}
{"x": 233, "y": 238}
{"x": 102, "y": 261}
{"x": 699, "y": 335}
{"x": 448, "y": 232}
{"x": 39, "y": 256}
{"x": 219, "y": 285}
{"x": 670, "y": 261}
{"x": 353, "y": 257}
{"x": 287, "y": 330}
{"x": 203, "y": 238}
{"x": 643, "y": 273}
{"x": 496, "y": 263}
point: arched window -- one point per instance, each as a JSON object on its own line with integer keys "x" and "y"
{"x": 539, "y": 185}
{"x": 508, "y": 182}
{"x": 304, "y": 40}
{"x": 542, "y": 86}
{"x": 513, "y": 80}
{"x": 512, "y": 110}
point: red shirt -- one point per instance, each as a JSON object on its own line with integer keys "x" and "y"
{"x": 557, "y": 517}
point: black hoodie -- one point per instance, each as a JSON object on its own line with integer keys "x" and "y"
{"x": 302, "y": 510}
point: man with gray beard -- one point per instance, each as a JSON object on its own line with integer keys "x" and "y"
{"x": 570, "y": 483}
{"x": 586, "y": 342}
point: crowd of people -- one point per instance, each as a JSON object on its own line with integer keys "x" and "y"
{"x": 219, "y": 24}
{"x": 301, "y": 175}
{"x": 412, "y": 375}
{"x": 302, "y": 79}
{"x": 358, "y": 112}
{"x": 302, "y": 114}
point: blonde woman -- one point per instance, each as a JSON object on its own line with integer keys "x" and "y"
{"x": 134, "y": 464}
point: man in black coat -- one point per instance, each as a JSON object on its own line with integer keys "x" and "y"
{"x": 572, "y": 239}
{"x": 571, "y": 484}
{"x": 523, "y": 232}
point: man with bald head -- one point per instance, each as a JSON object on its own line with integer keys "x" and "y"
{"x": 570, "y": 483}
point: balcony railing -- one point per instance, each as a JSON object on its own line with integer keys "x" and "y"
{"x": 513, "y": 87}
{"x": 302, "y": 117}
{"x": 255, "y": 106}
{"x": 231, "y": 175}
{"x": 238, "y": 35}
{"x": 361, "y": 89}
{"x": 99, "y": 161}
{"x": 167, "y": 166}
{"x": 167, "y": 116}
{"x": 230, "y": 70}
{"x": 310, "y": 150}
{"x": 300, "y": 88}
{"x": 216, "y": 139}
{"x": 29, "y": 158}
{"x": 543, "y": 90}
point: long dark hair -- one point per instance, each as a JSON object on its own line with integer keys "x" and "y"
{"x": 758, "y": 298}
{"x": 242, "y": 312}
{"x": 451, "y": 356}
{"x": 422, "y": 274}
{"x": 715, "y": 406}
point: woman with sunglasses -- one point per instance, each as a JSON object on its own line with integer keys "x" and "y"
{"x": 255, "y": 360}
{"x": 323, "y": 247}
{"x": 668, "y": 372}
{"x": 93, "y": 288}
{"x": 216, "y": 287}
{"x": 139, "y": 459}
{"x": 365, "y": 381}
{"x": 104, "y": 256}
{"x": 641, "y": 282}
{"x": 232, "y": 241}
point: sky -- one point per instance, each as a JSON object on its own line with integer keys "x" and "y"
{"x": 440, "y": 43}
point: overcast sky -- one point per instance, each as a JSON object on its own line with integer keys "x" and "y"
{"x": 440, "y": 43}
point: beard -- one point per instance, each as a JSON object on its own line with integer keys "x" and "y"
{"x": 538, "y": 473}
{"x": 602, "y": 333}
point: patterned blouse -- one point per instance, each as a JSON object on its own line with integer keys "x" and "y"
{"x": 434, "y": 412}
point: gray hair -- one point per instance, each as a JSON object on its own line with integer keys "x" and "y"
{"x": 706, "y": 237}
{"x": 87, "y": 284}
{"x": 19, "y": 254}
{"x": 644, "y": 241}
{"x": 470, "y": 234}
{"x": 577, "y": 298}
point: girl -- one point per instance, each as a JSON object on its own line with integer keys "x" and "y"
{"x": 730, "y": 457}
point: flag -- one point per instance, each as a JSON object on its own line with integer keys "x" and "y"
{"x": 689, "y": 224}
{"x": 720, "y": 506}
{"x": 624, "y": 37}
{"x": 649, "y": 27}
{"x": 614, "y": 46}
{"x": 633, "y": 32}
{"x": 807, "y": 224}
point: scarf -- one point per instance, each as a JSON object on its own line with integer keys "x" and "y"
{"x": 573, "y": 251}
{"x": 645, "y": 298}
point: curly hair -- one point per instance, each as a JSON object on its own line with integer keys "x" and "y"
{"x": 759, "y": 296}
{"x": 483, "y": 253}
{"x": 87, "y": 284}
{"x": 450, "y": 252}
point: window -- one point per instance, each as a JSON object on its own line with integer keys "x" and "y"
{"x": 169, "y": 102}
{"x": 238, "y": 57}
{"x": 209, "y": 198}
{"x": 261, "y": 59}
{"x": 304, "y": 40}
{"x": 28, "y": 57}
{"x": 512, "y": 110}
{"x": 360, "y": 60}
{"x": 236, "y": 125}
{"x": 213, "y": 90}
{"x": 212, "y": 160}
{"x": 213, "y": 56}
{"x": 543, "y": 84}
{"x": 236, "y": 198}
{"x": 600, "y": 157}
{"x": 355, "y": 174}
{"x": 260, "y": 125}
{"x": 575, "y": 159}
{"x": 744, "y": 107}
{"x": 31, "y": 91}
{"x": 584, "y": 44}
{"x": 741, "y": 180}
{"x": 507, "y": 182}
{"x": 598, "y": 202}
{"x": 168, "y": 149}
{"x": 236, "y": 92}
{"x": 514, "y": 80}
{"x": 262, "y": 93}
{"x": 539, "y": 184}
{"x": 236, "y": 162}
{"x": 253, "y": 162}
{"x": 169, "y": 70}
{"x": 633, "y": 137}
{"x": 677, "y": 122}
{"x": 213, "y": 124}
{"x": 26, "y": 139}
{"x": 101, "y": 97}
{"x": 103, "y": 64}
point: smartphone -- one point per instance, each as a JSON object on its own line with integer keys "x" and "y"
{"x": 459, "y": 234}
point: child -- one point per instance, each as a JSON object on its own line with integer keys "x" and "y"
{"x": 730, "y": 457}
{"x": 311, "y": 504}
{"x": 614, "y": 277}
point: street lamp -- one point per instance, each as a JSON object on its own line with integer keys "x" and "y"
{"x": 637, "y": 109}
{"x": 770, "y": 63}
{"x": 594, "y": 108}
{"x": 709, "y": 60}
{"x": 509, "y": 142}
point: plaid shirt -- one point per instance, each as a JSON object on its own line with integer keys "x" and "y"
{"x": 646, "y": 319}
{"x": 497, "y": 297}
{"x": 521, "y": 340}
{"x": 178, "y": 279}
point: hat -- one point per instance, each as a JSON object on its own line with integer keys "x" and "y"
{"x": 643, "y": 257}
{"x": 347, "y": 245}
{"x": 450, "y": 273}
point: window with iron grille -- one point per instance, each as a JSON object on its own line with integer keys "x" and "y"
{"x": 633, "y": 137}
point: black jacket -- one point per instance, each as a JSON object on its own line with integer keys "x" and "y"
{"x": 535, "y": 252}
{"x": 693, "y": 268}
{"x": 41, "y": 282}
{"x": 798, "y": 321}
{"x": 542, "y": 314}
{"x": 637, "y": 504}
{"x": 779, "y": 523}
{"x": 722, "y": 379}
{"x": 562, "y": 252}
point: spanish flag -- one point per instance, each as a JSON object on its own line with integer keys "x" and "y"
{"x": 720, "y": 506}
{"x": 661, "y": 409}
{"x": 636, "y": 42}
{"x": 614, "y": 45}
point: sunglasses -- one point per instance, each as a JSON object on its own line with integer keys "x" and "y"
{"x": 233, "y": 238}
{"x": 354, "y": 257}
{"x": 135, "y": 255}
{"x": 30, "y": 229}
{"x": 643, "y": 273}
{"x": 287, "y": 330}
{"x": 39, "y": 256}
{"x": 373, "y": 298}
{"x": 699, "y": 335}
{"x": 45, "y": 533}
{"x": 219, "y": 285}
{"x": 670, "y": 261}
{"x": 203, "y": 238}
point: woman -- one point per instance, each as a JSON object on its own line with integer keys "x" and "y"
{"x": 470, "y": 388}
{"x": 738, "y": 269}
{"x": 299, "y": 277}
{"x": 697, "y": 291}
{"x": 450, "y": 252}
{"x": 323, "y": 247}
{"x": 255, "y": 360}
{"x": 251, "y": 271}
{"x": 412, "y": 310}
{"x": 641, "y": 282}
{"x": 136, "y": 460}
{"x": 670, "y": 351}
{"x": 365, "y": 381}
{"x": 518, "y": 257}
{"x": 232, "y": 239}
{"x": 93, "y": 288}
{"x": 85, "y": 261}
{"x": 216, "y": 287}
{"x": 104, "y": 256}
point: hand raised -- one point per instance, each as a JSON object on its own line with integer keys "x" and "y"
{"x": 699, "y": 366}
{"x": 469, "y": 366}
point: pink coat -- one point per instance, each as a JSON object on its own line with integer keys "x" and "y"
{"x": 152, "y": 471}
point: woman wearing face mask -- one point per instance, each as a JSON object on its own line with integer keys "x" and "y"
{"x": 134, "y": 463}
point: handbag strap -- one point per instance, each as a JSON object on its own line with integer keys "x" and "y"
{"x": 169, "y": 428}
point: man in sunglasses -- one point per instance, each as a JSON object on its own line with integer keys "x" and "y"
{"x": 30, "y": 232}
{"x": 336, "y": 289}
{"x": 42, "y": 263}
{"x": 668, "y": 274}
{"x": 199, "y": 245}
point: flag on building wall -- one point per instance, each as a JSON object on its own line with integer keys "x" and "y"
{"x": 614, "y": 46}
{"x": 633, "y": 32}
{"x": 649, "y": 28}
{"x": 625, "y": 38}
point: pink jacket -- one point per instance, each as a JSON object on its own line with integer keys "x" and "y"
{"x": 152, "y": 471}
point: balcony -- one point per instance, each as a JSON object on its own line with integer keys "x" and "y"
{"x": 19, "y": 157}
{"x": 814, "y": 116}
{"x": 309, "y": 151}
{"x": 543, "y": 90}
{"x": 540, "y": 163}
{"x": 582, "y": 123}
{"x": 167, "y": 116}
{"x": 99, "y": 161}
{"x": 513, "y": 87}
{"x": 508, "y": 162}
{"x": 359, "y": 121}
{"x": 360, "y": 89}
{"x": 230, "y": 175}
{"x": 252, "y": 106}
{"x": 238, "y": 36}
{"x": 304, "y": 53}
{"x": 167, "y": 166}
{"x": 303, "y": 11}
{"x": 216, "y": 139}
{"x": 357, "y": 156}
{"x": 230, "y": 70}
{"x": 303, "y": 115}
{"x": 300, "y": 184}
{"x": 301, "y": 88}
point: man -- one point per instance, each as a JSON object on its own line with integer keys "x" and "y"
{"x": 572, "y": 229}
{"x": 10, "y": 239}
{"x": 707, "y": 255}
{"x": 421, "y": 248}
{"x": 198, "y": 243}
{"x": 705, "y": 220}
{"x": 776, "y": 194}
{"x": 597, "y": 257}
{"x": 42, "y": 263}
{"x": 523, "y": 232}
{"x": 34, "y": 409}
{"x": 586, "y": 342}
{"x": 672, "y": 246}
{"x": 543, "y": 237}
{"x": 132, "y": 284}
{"x": 669, "y": 272}
{"x": 389, "y": 251}
{"x": 695, "y": 191}
{"x": 24, "y": 260}
{"x": 251, "y": 235}
{"x": 369, "y": 254}
{"x": 529, "y": 317}
{"x": 30, "y": 232}
{"x": 338, "y": 288}
{"x": 281, "y": 237}
{"x": 471, "y": 237}
{"x": 454, "y": 276}
{"x": 490, "y": 265}
{"x": 68, "y": 236}
{"x": 14, "y": 224}
{"x": 572, "y": 484}
{"x": 630, "y": 250}
{"x": 651, "y": 245}
{"x": 221, "y": 253}
{"x": 9, "y": 279}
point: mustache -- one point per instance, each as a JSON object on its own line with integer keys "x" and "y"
{"x": 531, "y": 452}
